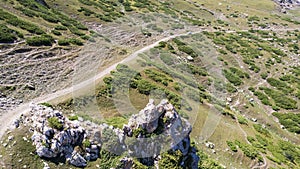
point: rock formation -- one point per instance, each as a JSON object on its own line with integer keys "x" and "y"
{"x": 52, "y": 142}
{"x": 158, "y": 129}
{"x": 287, "y": 4}
{"x": 154, "y": 130}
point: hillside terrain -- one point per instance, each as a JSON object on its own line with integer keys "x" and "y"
{"x": 231, "y": 68}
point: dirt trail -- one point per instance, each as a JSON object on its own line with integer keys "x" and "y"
{"x": 6, "y": 120}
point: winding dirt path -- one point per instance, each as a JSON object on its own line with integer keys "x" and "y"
{"x": 7, "y": 119}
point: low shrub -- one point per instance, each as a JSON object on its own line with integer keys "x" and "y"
{"x": 54, "y": 123}
{"x": 72, "y": 118}
{"x": 46, "y": 104}
{"x": 63, "y": 42}
{"x": 259, "y": 128}
{"x": 281, "y": 100}
{"x": 7, "y": 35}
{"x": 232, "y": 146}
{"x": 55, "y": 32}
{"x": 60, "y": 27}
{"x": 232, "y": 78}
{"x": 290, "y": 121}
{"x": 44, "y": 40}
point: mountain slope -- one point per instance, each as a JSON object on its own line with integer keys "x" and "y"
{"x": 234, "y": 74}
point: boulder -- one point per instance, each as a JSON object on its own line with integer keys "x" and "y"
{"x": 43, "y": 151}
{"x": 77, "y": 160}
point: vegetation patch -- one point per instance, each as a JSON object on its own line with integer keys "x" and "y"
{"x": 291, "y": 121}
{"x": 55, "y": 123}
{"x": 43, "y": 40}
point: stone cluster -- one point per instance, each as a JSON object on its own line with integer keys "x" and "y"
{"x": 154, "y": 130}
{"x": 51, "y": 142}
{"x": 287, "y": 4}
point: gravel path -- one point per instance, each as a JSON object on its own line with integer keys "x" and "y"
{"x": 7, "y": 119}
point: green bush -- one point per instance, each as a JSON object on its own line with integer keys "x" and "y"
{"x": 263, "y": 141}
{"x": 158, "y": 77}
{"x": 145, "y": 87}
{"x": 128, "y": 8}
{"x": 264, "y": 75}
{"x": 27, "y": 12}
{"x": 281, "y": 100}
{"x": 108, "y": 159}
{"x": 86, "y": 11}
{"x": 50, "y": 18}
{"x": 242, "y": 120}
{"x": 263, "y": 98}
{"x": 206, "y": 162}
{"x": 197, "y": 70}
{"x": 247, "y": 149}
{"x": 15, "y": 21}
{"x": 75, "y": 31}
{"x": 290, "y": 121}
{"x": 86, "y": 143}
{"x": 230, "y": 88}
{"x": 239, "y": 73}
{"x": 259, "y": 128}
{"x": 232, "y": 146}
{"x": 232, "y": 78}
{"x": 72, "y": 118}
{"x": 178, "y": 42}
{"x": 228, "y": 113}
{"x": 46, "y": 104}
{"x": 171, "y": 160}
{"x": 7, "y": 35}
{"x": 63, "y": 42}
{"x": 54, "y": 123}
{"x": 44, "y": 40}
{"x": 60, "y": 27}
{"x": 187, "y": 50}
{"x": 55, "y": 32}
{"x": 280, "y": 85}
{"x": 117, "y": 122}
{"x": 75, "y": 41}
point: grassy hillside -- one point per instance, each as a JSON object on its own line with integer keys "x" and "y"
{"x": 237, "y": 81}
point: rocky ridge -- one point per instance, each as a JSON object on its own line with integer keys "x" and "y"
{"x": 154, "y": 130}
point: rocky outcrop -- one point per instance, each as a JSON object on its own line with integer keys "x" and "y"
{"x": 154, "y": 130}
{"x": 51, "y": 142}
{"x": 157, "y": 129}
{"x": 287, "y": 4}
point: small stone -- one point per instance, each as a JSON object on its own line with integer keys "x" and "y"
{"x": 46, "y": 166}
{"x": 20, "y": 160}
